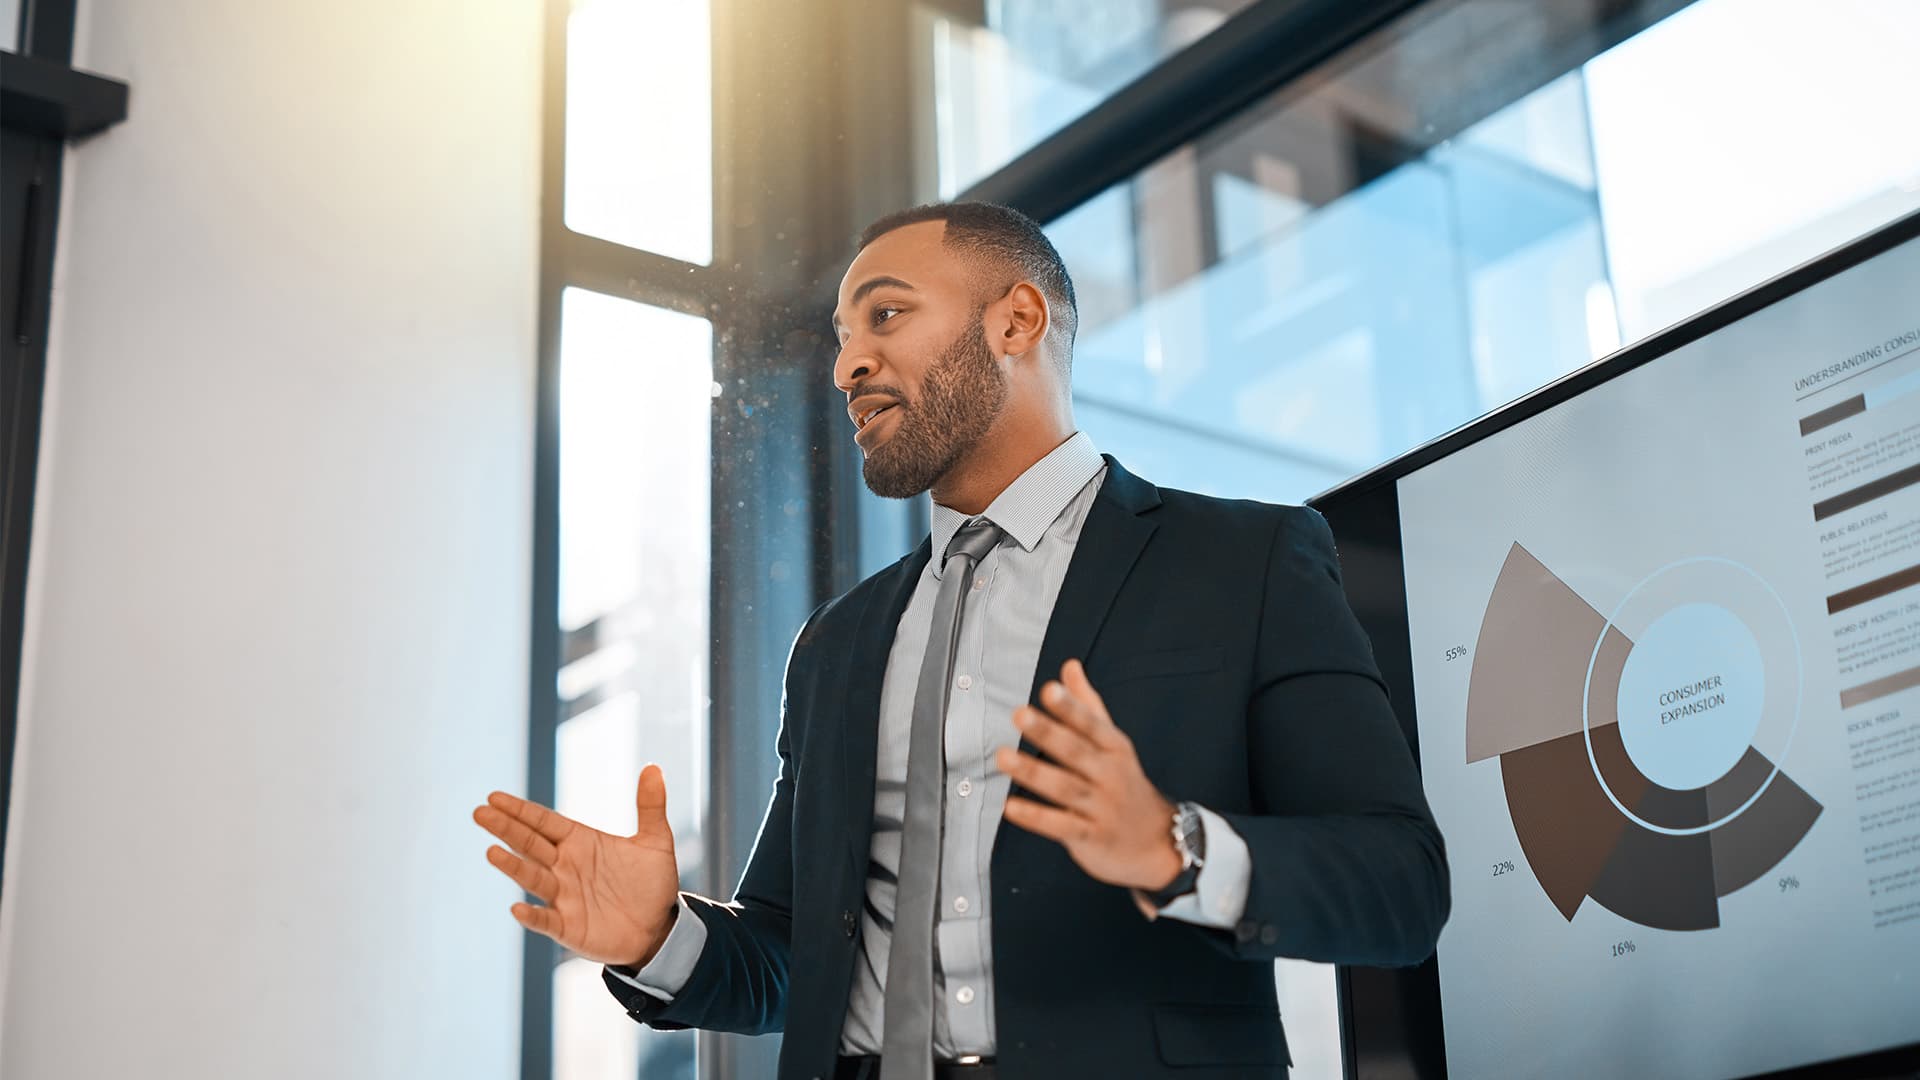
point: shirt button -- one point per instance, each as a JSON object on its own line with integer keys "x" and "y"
{"x": 964, "y": 682}
{"x": 964, "y": 995}
{"x": 964, "y": 788}
{"x": 960, "y": 904}
{"x": 979, "y": 583}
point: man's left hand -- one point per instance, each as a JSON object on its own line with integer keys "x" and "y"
{"x": 1113, "y": 822}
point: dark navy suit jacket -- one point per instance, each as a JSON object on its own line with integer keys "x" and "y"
{"x": 1219, "y": 636}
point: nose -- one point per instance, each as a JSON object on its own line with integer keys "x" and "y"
{"x": 853, "y": 366}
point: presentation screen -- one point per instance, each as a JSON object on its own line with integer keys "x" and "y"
{"x": 1655, "y": 633}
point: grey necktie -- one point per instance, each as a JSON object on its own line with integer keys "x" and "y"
{"x": 906, "y": 1051}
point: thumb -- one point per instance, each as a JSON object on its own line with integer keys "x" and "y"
{"x": 650, "y": 798}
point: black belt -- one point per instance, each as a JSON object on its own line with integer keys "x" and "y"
{"x": 868, "y": 1068}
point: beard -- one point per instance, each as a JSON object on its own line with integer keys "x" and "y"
{"x": 964, "y": 393}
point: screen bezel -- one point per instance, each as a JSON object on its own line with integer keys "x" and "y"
{"x": 1390, "y": 1017}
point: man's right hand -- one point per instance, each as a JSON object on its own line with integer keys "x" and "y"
{"x": 609, "y": 898}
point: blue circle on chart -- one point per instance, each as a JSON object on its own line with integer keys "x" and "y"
{"x": 1791, "y": 696}
{"x": 1691, "y": 696}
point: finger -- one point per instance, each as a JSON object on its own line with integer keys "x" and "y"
{"x": 1063, "y": 744}
{"x": 1074, "y": 674}
{"x": 540, "y": 920}
{"x": 537, "y": 880}
{"x": 1100, "y": 725}
{"x": 1070, "y": 709}
{"x": 1055, "y": 824}
{"x": 540, "y": 819}
{"x": 1070, "y": 790}
{"x": 650, "y": 797}
{"x": 517, "y": 835}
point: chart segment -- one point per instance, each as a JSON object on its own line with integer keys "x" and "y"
{"x": 1633, "y": 773}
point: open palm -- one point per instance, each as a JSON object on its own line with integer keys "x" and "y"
{"x": 608, "y": 898}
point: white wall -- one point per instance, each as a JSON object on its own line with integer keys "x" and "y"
{"x": 276, "y": 629}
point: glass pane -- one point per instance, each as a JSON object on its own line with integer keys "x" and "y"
{"x": 1440, "y": 221}
{"x": 636, "y": 395}
{"x": 640, "y": 125}
{"x": 1033, "y": 66}
{"x": 1795, "y": 166}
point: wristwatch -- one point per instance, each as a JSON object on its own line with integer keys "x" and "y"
{"x": 1190, "y": 839}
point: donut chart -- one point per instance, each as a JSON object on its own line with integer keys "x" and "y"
{"x": 1640, "y": 749}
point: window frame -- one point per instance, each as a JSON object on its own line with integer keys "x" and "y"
{"x": 570, "y": 259}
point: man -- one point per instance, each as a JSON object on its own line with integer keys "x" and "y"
{"x": 1056, "y": 788}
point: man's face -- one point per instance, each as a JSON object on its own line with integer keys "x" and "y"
{"x": 923, "y": 385}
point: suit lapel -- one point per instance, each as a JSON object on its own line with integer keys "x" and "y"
{"x": 867, "y": 669}
{"x": 1116, "y": 531}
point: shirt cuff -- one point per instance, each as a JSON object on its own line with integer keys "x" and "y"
{"x": 1219, "y": 897}
{"x": 671, "y": 967}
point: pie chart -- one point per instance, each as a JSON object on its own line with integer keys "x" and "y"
{"x": 1640, "y": 748}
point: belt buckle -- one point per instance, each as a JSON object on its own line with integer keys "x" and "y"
{"x": 966, "y": 1059}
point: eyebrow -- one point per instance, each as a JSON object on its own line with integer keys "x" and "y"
{"x": 867, "y": 286}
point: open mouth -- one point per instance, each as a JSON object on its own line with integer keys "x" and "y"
{"x": 870, "y": 415}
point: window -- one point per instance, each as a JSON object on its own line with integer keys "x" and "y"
{"x": 1794, "y": 166}
{"x": 1019, "y": 70}
{"x": 636, "y": 388}
{"x": 1443, "y": 219}
{"x": 640, "y": 125}
{"x": 625, "y": 475}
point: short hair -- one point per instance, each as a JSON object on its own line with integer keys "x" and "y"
{"x": 1008, "y": 247}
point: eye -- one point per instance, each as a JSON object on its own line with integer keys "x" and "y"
{"x": 883, "y": 313}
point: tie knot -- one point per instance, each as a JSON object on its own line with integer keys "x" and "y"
{"x": 974, "y": 540}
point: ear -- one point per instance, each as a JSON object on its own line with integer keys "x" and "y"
{"x": 1022, "y": 321}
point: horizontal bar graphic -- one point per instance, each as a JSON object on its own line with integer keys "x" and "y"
{"x": 1893, "y": 388}
{"x": 1879, "y": 688}
{"x": 1873, "y": 590}
{"x": 1866, "y": 492}
{"x": 1833, "y": 414}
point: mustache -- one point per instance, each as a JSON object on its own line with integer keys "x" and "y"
{"x": 864, "y": 390}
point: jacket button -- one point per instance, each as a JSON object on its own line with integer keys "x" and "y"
{"x": 848, "y": 922}
{"x": 1269, "y": 935}
{"x": 1246, "y": 931}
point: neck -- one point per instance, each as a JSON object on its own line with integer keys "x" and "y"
{"x": 1009, "y": 449}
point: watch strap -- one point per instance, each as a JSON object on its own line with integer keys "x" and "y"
{"x": 1183, "y": 883}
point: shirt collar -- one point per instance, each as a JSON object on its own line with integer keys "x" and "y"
{"x": 1031, "y": 504}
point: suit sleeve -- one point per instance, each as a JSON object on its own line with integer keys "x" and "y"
{"x": 1347, "y": 864}
{"x": 739, "y": 982}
